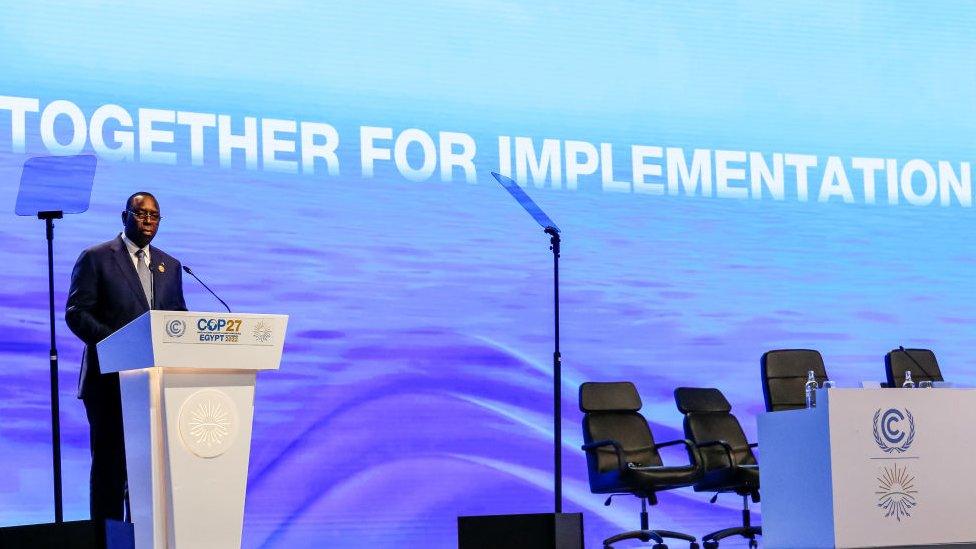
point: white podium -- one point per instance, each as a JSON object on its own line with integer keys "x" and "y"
{"x": 187, "y": 381}
{"x": 870, "y": 468}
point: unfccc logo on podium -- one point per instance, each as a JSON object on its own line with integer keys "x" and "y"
{"x": 175, "y": 327}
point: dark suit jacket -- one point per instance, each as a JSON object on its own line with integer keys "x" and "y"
{"x": 106, "y": 294}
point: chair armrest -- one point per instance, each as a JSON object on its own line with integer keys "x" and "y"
{"x": 598, "y": 443}
{"x": 685, "y": 441}
{"x": 693, "y": 454}
{"x": 617, "y": 449}
{"x": 729, "y": 453}
{"x": 614, "y": 443}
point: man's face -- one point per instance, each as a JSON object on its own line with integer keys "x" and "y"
{"x": 141, "y": 231}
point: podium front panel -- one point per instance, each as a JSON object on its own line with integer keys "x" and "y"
{"x": 208, "y": 437}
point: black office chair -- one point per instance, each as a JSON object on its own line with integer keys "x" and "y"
{"x": 727, "y": 458}
{"x": 622, "y": 457}
{"x": 924, "y": 367}
{"x": 784, "y": 374}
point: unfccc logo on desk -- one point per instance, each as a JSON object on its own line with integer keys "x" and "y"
{"x": 894, "y": 432}
{"x": 888, "y": 433}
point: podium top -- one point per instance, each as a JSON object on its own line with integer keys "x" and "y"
{"x": 200, "y": 340}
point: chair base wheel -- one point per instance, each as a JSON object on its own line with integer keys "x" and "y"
{"x": 657, "y": 536}
{"x": 710, "y": 541}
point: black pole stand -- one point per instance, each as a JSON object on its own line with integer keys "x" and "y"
{"x": 556, "y": 530}
{"x": 557, "y": 375}
{"x": 49, "y": 218}
{"x": 83, "y": 534}
{"x": 51, "y": 186}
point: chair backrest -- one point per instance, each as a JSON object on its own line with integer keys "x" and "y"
{"x": 708, "y": 417}
{"x": 897, "y": 362}
{"x": 611, "y": 413}
{"x": 784, "y": 373}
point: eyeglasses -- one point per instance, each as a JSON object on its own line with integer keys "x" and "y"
{"x": 143, "y": 216}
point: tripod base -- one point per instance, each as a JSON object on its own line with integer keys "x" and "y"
{"x": 79, "y": 534}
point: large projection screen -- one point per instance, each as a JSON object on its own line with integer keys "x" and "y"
{"x": 729, "y": 178}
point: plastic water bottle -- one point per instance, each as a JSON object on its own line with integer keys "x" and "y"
{"x": 810, "y": 389}
{"x": 908, "y": 383}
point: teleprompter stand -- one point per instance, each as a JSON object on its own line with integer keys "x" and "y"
{"x": 50, "y": 187}
{"x": 546, "y": 530}
{"x": 49, "y": 217}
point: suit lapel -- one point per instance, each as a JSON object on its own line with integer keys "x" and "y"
{"x": 129, "y": 270}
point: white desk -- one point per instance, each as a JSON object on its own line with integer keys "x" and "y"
{"x": 870, "y": 468}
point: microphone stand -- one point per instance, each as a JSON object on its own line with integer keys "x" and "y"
{"x": 189, "y": 271}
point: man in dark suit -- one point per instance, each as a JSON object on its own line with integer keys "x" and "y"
{"x": 112, "y": 284}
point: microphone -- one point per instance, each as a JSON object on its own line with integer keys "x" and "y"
{"x": 190, "y": 272}
{"x": 917, "y": 363}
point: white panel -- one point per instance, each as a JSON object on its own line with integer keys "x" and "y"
{"x": 208, "y": 427}
{"x": 144, "y": 458}
{"x": 180, "y": 339}
{"x": 218, "y": 340}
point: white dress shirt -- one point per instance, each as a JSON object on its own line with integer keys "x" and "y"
{"x": 132, "y": 248}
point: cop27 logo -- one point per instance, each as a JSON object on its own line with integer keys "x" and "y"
{"x": 890, "y": 430}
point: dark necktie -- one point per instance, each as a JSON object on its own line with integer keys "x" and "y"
{"x": 145, "y": 277}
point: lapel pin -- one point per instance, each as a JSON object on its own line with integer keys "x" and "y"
{"x": 162, "y": 268}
